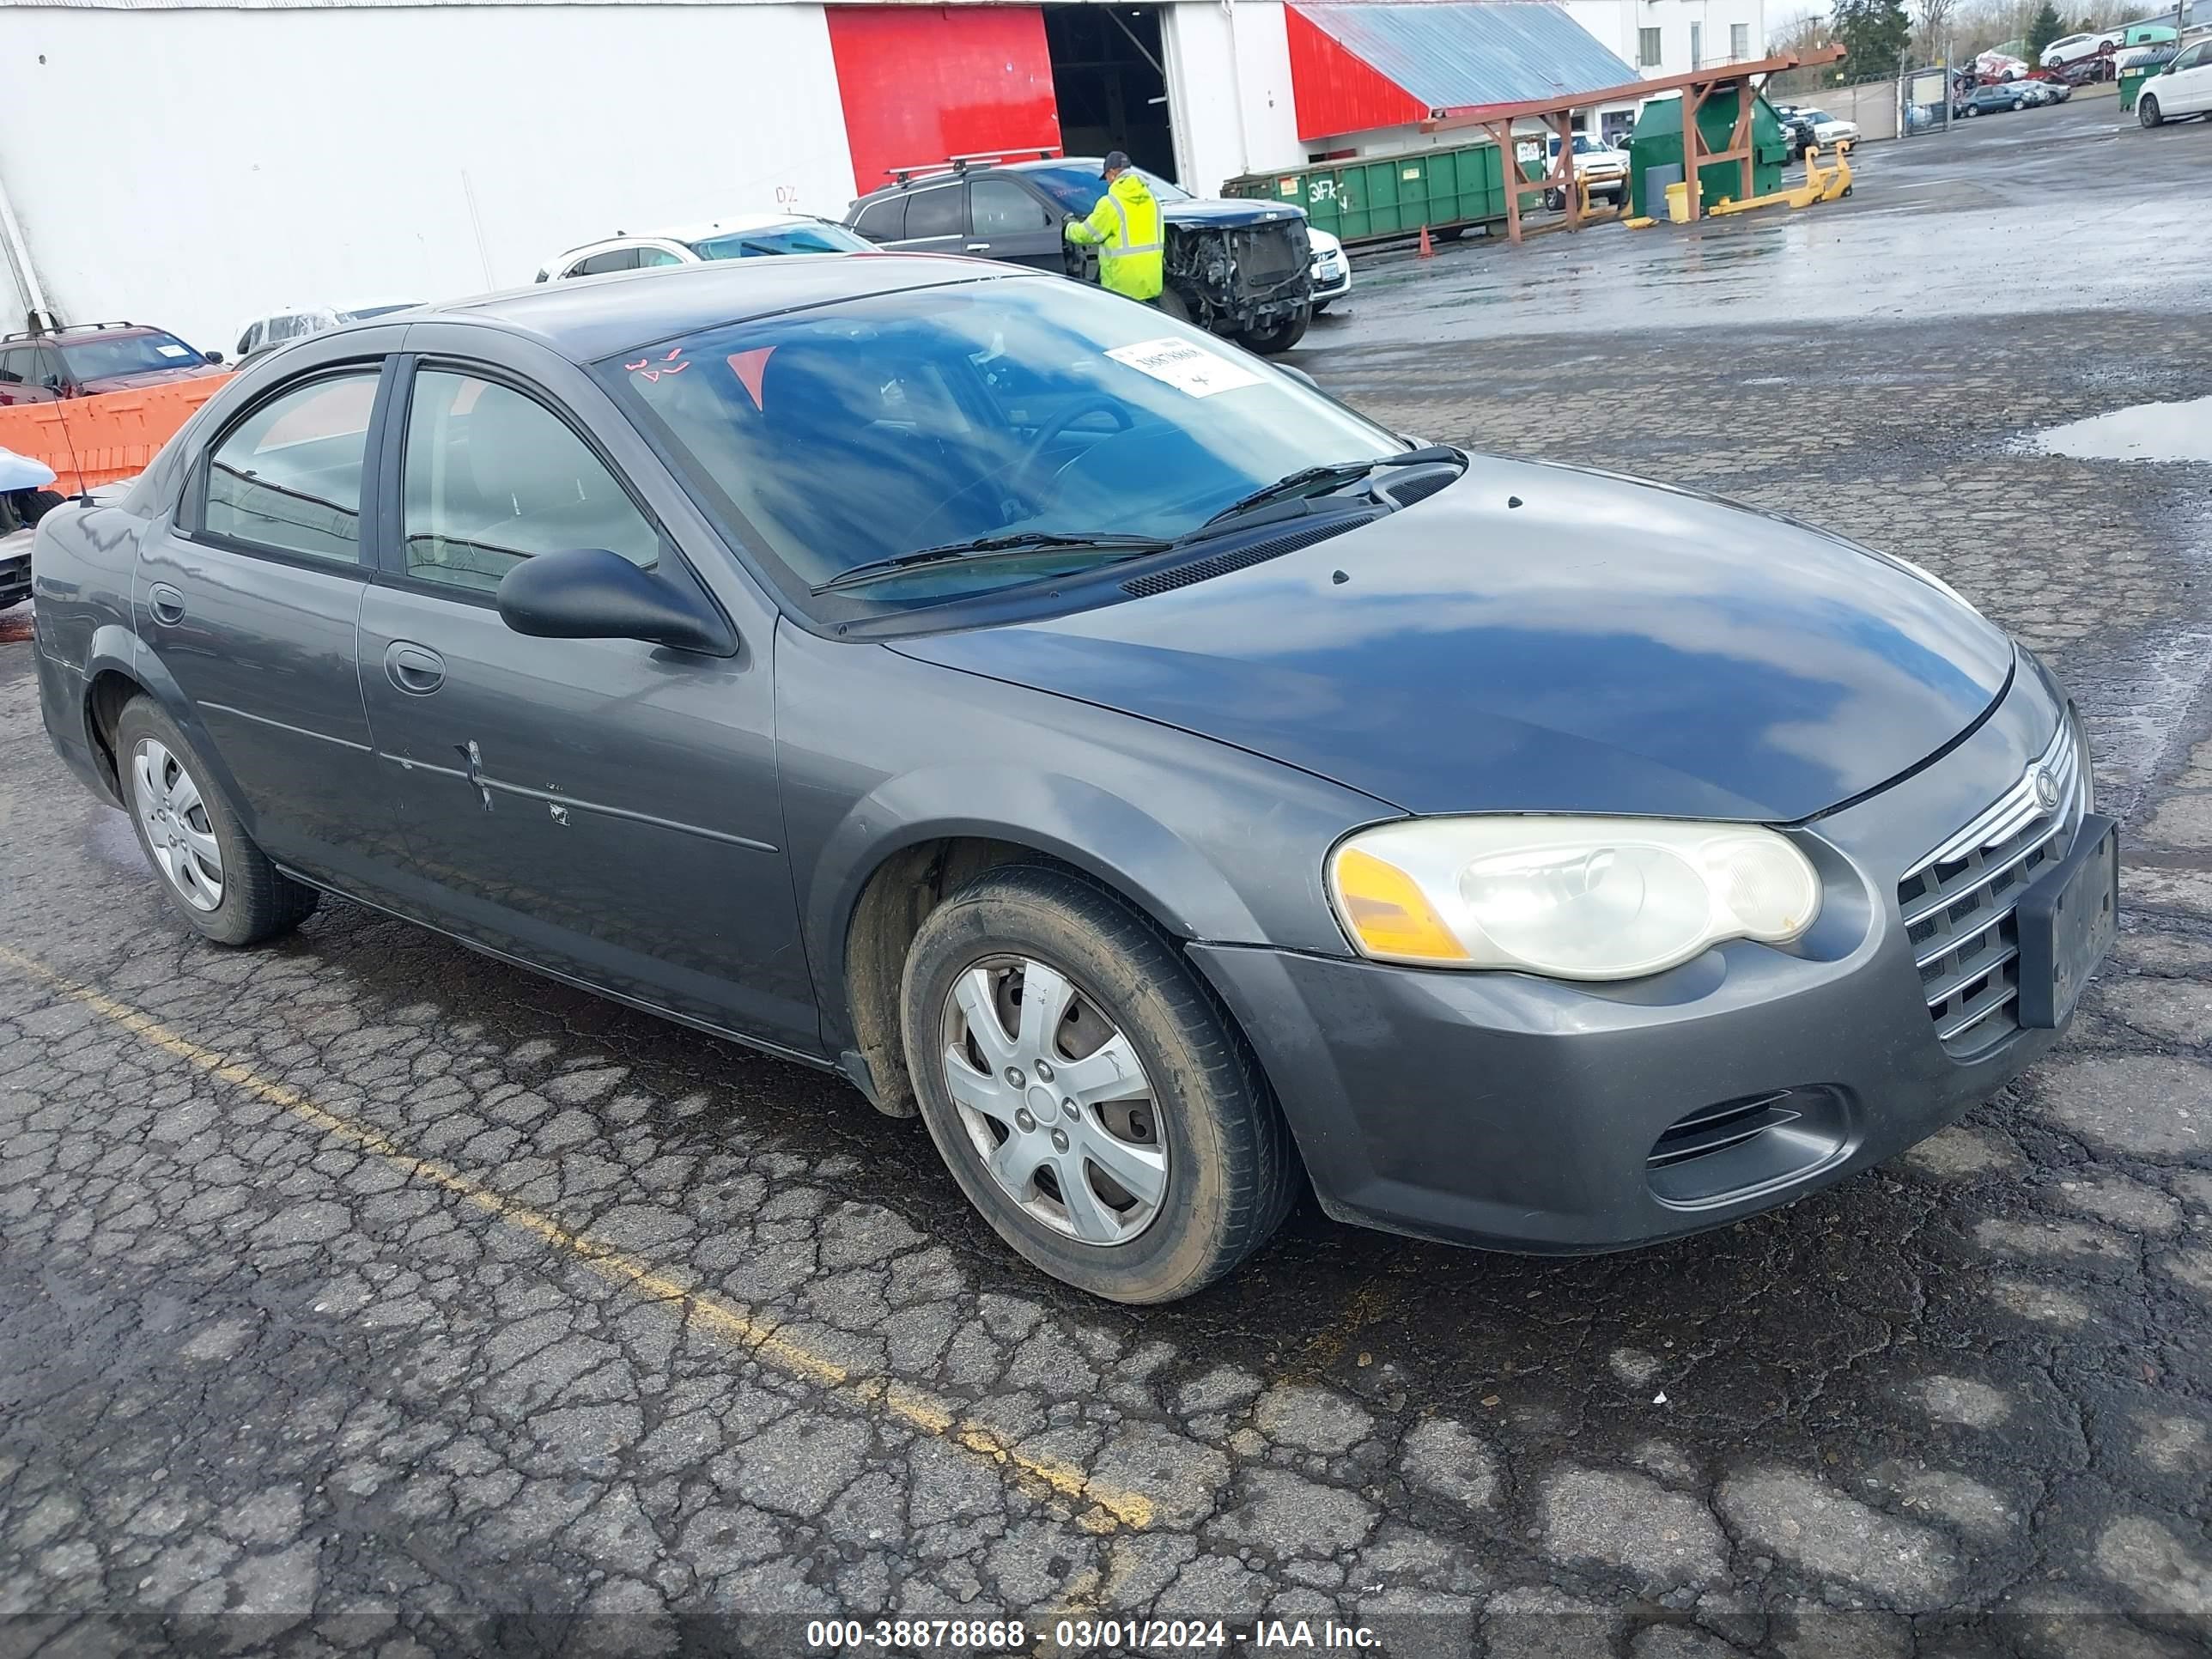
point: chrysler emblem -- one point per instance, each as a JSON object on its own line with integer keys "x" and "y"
{"x": 2046, "y": 789}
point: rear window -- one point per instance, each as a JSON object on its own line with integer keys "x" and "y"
{"x": 781, "y": 239}
{"x": 100, "y": 358}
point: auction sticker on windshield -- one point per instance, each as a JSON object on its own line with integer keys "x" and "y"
{"x": 1185, "y": 366}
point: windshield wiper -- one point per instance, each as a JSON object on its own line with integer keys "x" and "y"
{"x": 1306, "y": 477}
{"x": 1022, "y": 541}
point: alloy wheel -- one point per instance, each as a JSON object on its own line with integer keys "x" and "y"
{"x": 174, "y": 817}
{"x": 1055, "y": 1100}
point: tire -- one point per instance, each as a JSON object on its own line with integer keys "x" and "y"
{"x": 1556, "y": 200}
{"x": 1972, "y": 110}
{"x": 1200, "y": 1116}
{"x": 1320, "y": 305}
{"x": 2146, "y": 111}
{"x": 1267, "y": 342}
{"x": 1175, "y": 305}
{"x": 238, "y": 897}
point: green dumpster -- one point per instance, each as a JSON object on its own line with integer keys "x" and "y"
{"x": 1656, "y": 148}
{"x": 1369, "y": 197}
{"x": 2143, "y": 60}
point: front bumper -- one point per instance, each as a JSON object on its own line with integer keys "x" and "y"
{"x": 1526, "y": 1114}
{"x": 14, "y": 567}
{"x": 1331, "y": 279}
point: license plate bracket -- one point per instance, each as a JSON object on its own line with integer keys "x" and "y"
{"x": 2067, "y": 921}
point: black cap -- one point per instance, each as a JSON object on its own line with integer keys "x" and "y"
{"x": 1116, "y": 160}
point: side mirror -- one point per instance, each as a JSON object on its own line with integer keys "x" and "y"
{"x": 214, "y": 357}
{"x": 51, "y": 382}
{"x": 591, "y": 593}
{"x": 1298, "y": 374}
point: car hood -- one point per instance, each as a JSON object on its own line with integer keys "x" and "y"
{"x": 1216, "y": 214}
{"x": 1544, "y": 638}
{"x": 148, "y": 377}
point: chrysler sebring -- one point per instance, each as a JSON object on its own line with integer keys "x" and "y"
{"x": 1172, "y": 786}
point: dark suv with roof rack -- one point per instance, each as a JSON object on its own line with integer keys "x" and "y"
{"x": 1237, "y": 268}
{"x": 90, "y": 358}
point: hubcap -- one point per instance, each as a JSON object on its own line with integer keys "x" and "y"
{"x": 177, "y": 825}
{"x": 1054, "y": 1101}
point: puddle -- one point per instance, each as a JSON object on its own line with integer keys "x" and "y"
{"x": 2149, "y": 432}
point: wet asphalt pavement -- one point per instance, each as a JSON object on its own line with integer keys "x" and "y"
{"x": 364, "y": 1294}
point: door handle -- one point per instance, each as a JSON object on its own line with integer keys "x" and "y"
{"x": 415, "y": 669}
{"x": 166, "y": 603}
{"x": 979, "y": 247}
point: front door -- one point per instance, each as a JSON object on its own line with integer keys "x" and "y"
{"x": 604, "y": 808}
{"x": 248, "y": 599}
{"x": 1008, "y": 221}
{"x": 2186, "y": 87}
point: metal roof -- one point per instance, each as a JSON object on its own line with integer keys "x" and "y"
{"x": 1465, "y": 56}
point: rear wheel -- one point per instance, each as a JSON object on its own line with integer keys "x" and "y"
{"x": 214, "y": 877}
{"x": 1280, "y": 337}
{"x": 1086, "y": 1091}
{"x": 2147, "y": 110}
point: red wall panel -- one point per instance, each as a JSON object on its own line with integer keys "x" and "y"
{"x": 1334, "y": 92}
{"x": 920, "y": 83}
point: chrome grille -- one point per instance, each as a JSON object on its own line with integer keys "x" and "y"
{"x": 1958, "y": 902}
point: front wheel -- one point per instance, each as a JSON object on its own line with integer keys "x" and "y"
{"x": 1088, "y": 1094}
{"x": 1278, "y": 336}
{"x": 2147, "y": 110}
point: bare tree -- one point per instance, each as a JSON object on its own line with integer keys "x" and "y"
{"x": 1932, "y": 23}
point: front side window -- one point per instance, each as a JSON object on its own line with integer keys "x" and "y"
{"x": 936, "y": 212}
{"x": 96, "y": 359}
{"x": 831, "y": 437}
{"x": 494, "y": 478}
{"x": 14, "y": 366}
{"x": 1077, "y": 189}
{"x": 286, "y": 478}
{"x": 998, "y": 207}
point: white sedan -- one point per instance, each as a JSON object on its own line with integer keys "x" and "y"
{"x": 739, "y": 236}
{"x": 1332, "y": 268}
{"x": 2075, "y": 47}
{"x": 1827, "y": 129}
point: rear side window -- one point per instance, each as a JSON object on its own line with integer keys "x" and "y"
{"x": 494, "y": 478}
{"x": 940, "y": 212}
{"x": 883, "y": 220}
{"x": 619, "y": 258}
{"x": 286, "y": 478}
{"x": 649, "y": 257}
{"x": 14, "y": 366}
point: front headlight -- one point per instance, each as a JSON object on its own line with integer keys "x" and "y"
{"x": 1567, "y": 897}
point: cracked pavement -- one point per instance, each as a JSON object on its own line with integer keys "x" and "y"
{"x": 363, "y": 1294}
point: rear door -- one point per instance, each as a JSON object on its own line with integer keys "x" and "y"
{"x": 607, "y": 809}
{"x": 936, "y": 219}
{"x": 249, "y": 594}
{"x": 1006, "y": 219}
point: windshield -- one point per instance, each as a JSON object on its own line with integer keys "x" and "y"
{"x": 99, "y": 359}
{"x": 779, "y": 239}
{"x": 848, "y": 433}
{"x": 1077, "y": 188}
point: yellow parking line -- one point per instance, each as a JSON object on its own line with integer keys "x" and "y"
{"x": 912, "y": 1407}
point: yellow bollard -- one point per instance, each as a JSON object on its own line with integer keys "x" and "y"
{"x": 1678, "y": 205}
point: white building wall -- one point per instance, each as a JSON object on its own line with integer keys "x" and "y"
{"x": 241, "y": 161}
{"x": 1229, "y": 89}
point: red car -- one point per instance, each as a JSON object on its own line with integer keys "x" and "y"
{"x": 94, "y": 357}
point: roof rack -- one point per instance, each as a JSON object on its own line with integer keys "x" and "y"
{"x": 66, "y": 328}
{"x": 901, "y": 175}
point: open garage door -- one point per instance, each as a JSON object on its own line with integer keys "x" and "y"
{"x": 1107, "y": 69}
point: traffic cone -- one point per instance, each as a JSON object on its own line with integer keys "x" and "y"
{"x": 1428, "y": 248}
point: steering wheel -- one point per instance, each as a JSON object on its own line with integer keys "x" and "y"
{"x": 1016, "y": 487}
{"x": 1019, "y": 475}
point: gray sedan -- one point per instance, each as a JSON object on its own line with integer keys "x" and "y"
{"x": 1173, "y": 787}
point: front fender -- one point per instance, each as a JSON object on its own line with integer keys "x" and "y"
{"x": 1065, "y": 818}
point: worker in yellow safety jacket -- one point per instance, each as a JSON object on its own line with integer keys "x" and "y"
{"x": 1125, "y": 228}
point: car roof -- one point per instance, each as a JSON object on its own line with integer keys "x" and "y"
{"x": 589, "y": 318}
{"x": 728, "y": 224}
